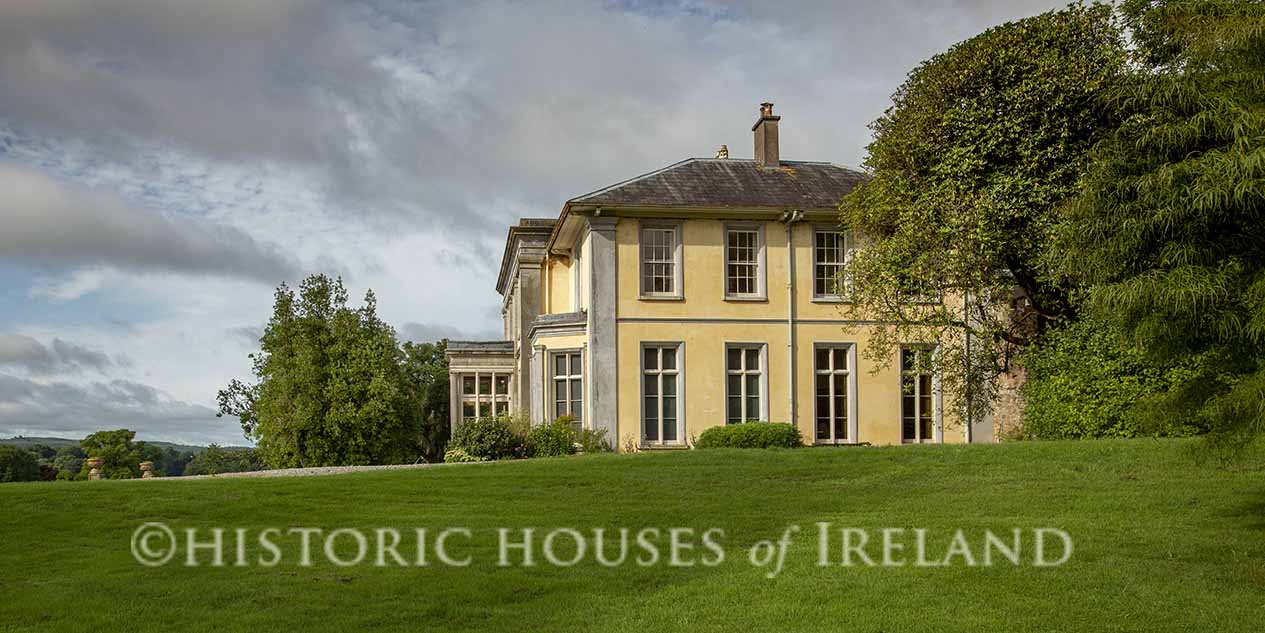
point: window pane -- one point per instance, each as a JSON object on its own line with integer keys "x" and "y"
{"x": 753, "y": 358}
{"x": 669, "y": 358}
{"x": 559, "y": 365}
{"x": 735, "y": 359}
{"x": 823, "y": 358}
{"x": 652, "y": 385}
{"x": 669, "y": 385}
{"x": 559, "y": 409}
{"x": 733, "y": 386}
{"x": 467, "y": 385}
{"x": 650, "y": 426}
{"x": 502, "y": 385}
{"x": 823, "y": 418}
{"x": 577, "y": 411}
{"x": 841, "y": 358}
{"x": 575, "y": 389}
{"x": 753, "y": 408}
{"x": 575, "y": 365}
{"x": 733, "y": 411}
{"x": 485, "y": 384}
{"x": 651, "y": 358}
{"x": 485, "y": 409}
{"x": 669, "y": 423}
{"x": 467, "y": 410}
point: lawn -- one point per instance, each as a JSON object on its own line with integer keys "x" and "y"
{"x": 1163, "y": 542}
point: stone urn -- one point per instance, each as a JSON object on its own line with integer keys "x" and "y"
{"x": 147, "y": 470}
{"x": 94, "y": 468}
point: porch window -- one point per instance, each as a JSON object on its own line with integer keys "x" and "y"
{"x": 484, "y": 394}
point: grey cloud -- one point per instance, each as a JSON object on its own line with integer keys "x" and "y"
{"x": 431, "y": 332}
{"x": 247, "y": 334}
{"x": 73, "y": 410}
{"x": 467, "y": 114}
{"x": 48, "y": 223}
{"x": 25, "y": 353}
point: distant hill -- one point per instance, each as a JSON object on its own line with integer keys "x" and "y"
{"x": 59, "y": 442}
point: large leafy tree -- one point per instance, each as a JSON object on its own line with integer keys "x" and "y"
{"x": 426, "y": 378}
{"x": 330, "y": 389}
{"x": 970, "y": 164}
{"x": 1169, "y": 227}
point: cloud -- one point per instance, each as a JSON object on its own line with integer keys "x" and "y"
{"x": 53, "y": 224}
{"x": 431, "y": 332}
{"x": 72, "y": 410}
{"x": 25, "y": 353}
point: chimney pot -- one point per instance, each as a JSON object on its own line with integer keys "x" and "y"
{"x": 765, "y": 129}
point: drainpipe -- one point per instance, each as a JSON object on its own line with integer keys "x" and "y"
{"x": 790, "y": 217}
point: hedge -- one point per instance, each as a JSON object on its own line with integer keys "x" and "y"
{"x": 750, "y": 435}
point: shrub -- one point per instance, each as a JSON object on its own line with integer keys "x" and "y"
{"x": 1086, "y": 381}
{"x": 591, "y": 441}
{"x": 750, "y": 435}
{"x": 487, "y": 438}
{"x": 554, "y": 439}
{"x": 17, "y": 464}
{"x": 459, "y": 456}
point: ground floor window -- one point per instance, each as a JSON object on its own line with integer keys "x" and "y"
{"x": 660, "y": 386}
{"x": 917, "y": 407}
{"x": 484, "y": 394}
{"x": 744, "y": 392}
{"x": 831, "y": 376}
{"x": 568, "y": 387}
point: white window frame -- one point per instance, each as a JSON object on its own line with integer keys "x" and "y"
{"x": 679, "y": 372}
{"x": 678, "y": 261}
{"x": 834, "y": 295}
{"x": 555, "y": 378}
{"x": 497, "y": 402}
{"x": 763, "y": 371}
{"x": 760, "y": 291}
{"x": 851, "y": 395}
{"x": 937, "y": 420}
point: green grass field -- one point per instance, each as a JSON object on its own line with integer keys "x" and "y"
{"x": 1162, "y": 543}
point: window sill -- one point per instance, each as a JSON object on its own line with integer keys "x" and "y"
{"x": 750, "y": 299}
{"x": 663, "y": 447}
{"x": 831, "y": 300}
{"x": 662, "y": 298}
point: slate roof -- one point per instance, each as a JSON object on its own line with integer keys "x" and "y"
{"x": 732, "y": 183}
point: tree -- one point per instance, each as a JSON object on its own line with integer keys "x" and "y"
{"x": 330, "y": 389}
{"x": 121, "y": 456}
{"x": 69, "y": 462}
{"x": 215, "y": 460}
{"x": 426, "y": 377}
{"x": 17, "y": 464}
{"x": 1169, "y": 224}
{"x": 171, "y": 463}
{"x": 970, "y": 165}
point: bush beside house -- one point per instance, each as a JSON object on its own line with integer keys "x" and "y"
{"x": 750, "y": 435}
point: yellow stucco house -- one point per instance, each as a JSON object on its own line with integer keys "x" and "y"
{"x": 696, "y": 295}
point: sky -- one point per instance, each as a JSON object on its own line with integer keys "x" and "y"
{"x": 166, "y": 164}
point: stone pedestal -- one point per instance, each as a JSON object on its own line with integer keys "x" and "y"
{"x": 94, "y": 468}
{"x": 147, "y": 470}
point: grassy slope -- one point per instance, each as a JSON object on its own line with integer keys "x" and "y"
{"x": 1162, "y": 543}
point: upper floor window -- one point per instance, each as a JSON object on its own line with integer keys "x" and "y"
{"x": 744, "y": 383}
{"x": 830, "y": 253}
{"x": 744, "y": 262}
{"x": 484, "y": 394}
{"x": 661, "y": 261}
{"x": 568, "y": 398}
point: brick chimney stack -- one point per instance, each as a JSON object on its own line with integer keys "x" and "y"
{"x": 765, "y": 129}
